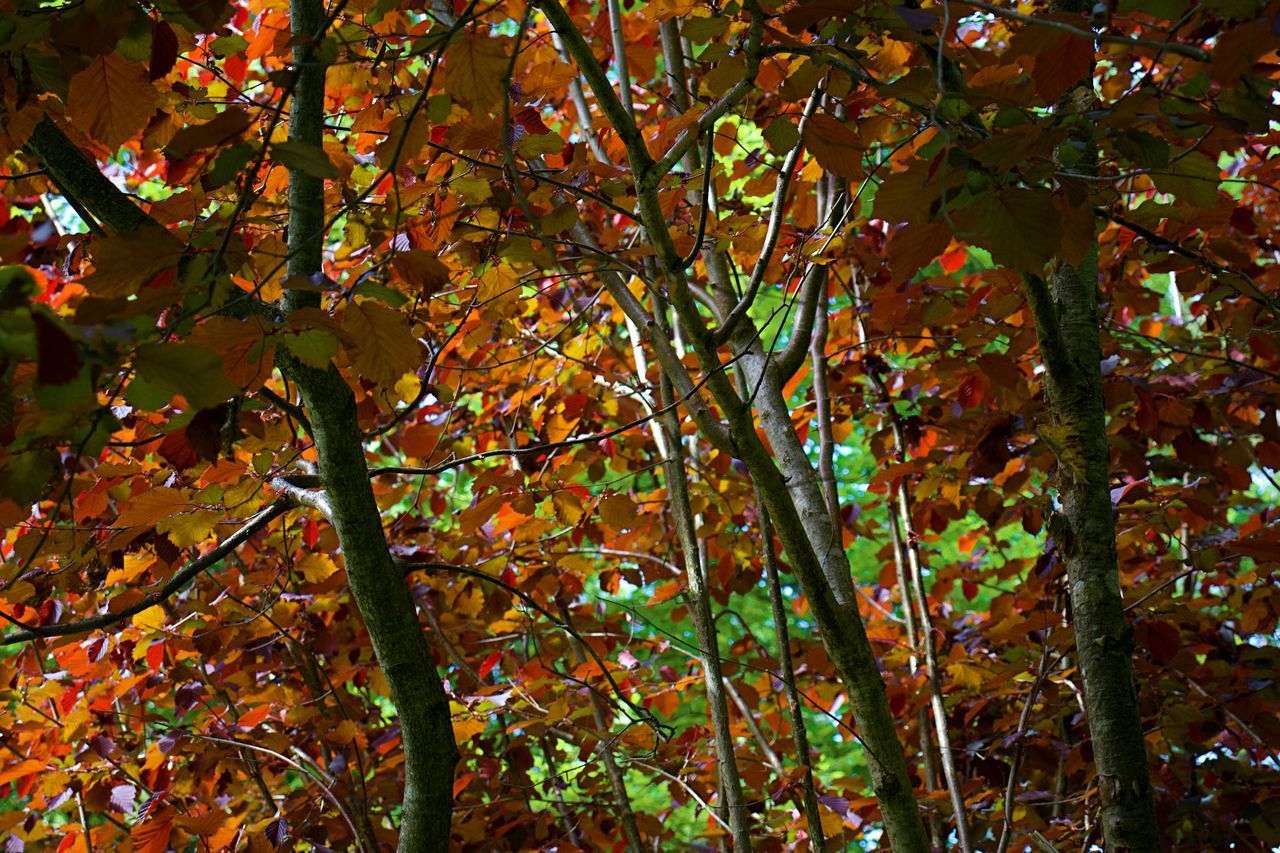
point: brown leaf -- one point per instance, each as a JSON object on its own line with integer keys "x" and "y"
{"x": 111, "y": 100}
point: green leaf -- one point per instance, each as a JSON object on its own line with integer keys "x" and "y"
{"x": 312, "y": 347}
{"x": 1193, "y": 179}
{"x": 228, "y": 45}
{"x": 27, "y": 476}
{"x": 782, "y": 136}
{"x": 304, "y": 157}
{"x": 187, "y": 369}
{"x": 702, "y": 30}
{"x": 229, "y": 164}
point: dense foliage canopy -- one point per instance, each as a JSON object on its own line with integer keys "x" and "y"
{"x": 790, "y": 424}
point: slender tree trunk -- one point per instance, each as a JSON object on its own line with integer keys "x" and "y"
{"x": 915, "y": 597}
{"x": 704, "y": 627}
{"x": 617, "y": 781}
{"x": 377, "y": 586}
{"x": 799, "y": 732}
{"x": 787, "y": 481}
{"x": 666, "y": 434}
{"x": 928, "y": 764}
{"x": 1068, "y": 323}
{"x": 1066, "y": 316}
{"x": 1065, "y": 308}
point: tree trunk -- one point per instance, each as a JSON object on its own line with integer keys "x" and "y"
{"x": 704, "y": 627}
{"x": 799, "y": 732}
{"x": 1065, "y": 309}
{"x": 377, "y": 586}
{"x": 1066, "y": 316}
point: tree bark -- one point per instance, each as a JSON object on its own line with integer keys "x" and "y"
{"x": 799, "y": 731}
{"x": 1066, "y": 317}
{"x": 1068, "y": 323}
{"x": 377, "y": 585}
{"x": 78, "y": 176}
{"x": 704, "y": 626}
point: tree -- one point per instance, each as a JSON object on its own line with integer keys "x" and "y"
{"x": 401, "y": 405}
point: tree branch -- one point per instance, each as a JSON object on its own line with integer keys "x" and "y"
{"x": 174, "y": 585}
{"x": 1196, "y": 53}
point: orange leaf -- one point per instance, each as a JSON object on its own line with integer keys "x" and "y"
{"x": 254, "y": 717}
{"x": 24, "y": 768}
{"x": 152, "y": 836}
{"x": 111, "y": 99}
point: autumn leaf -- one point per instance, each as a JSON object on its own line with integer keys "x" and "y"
{"x": 1019, "y": 227}
{"x": 203, "y": 825}
{"x": 111, "y": 99}
{"x": 474, "y": 70}
{"x": 316, "y": 567}
{"x": 386, "y": 348}
{"x": 189, "y": 528}
{"x": 124, "y": 262}
{"x": 153, "y": 506}
{"x": 308, "y": 159}
{"x": 467, "y": 728}
{"x": 619, "y": 511}
{"x": 834, "y": 145}
{"x": 193, "y": 371}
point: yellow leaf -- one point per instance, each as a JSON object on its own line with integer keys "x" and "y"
{"x": 499, "y": 287}
{"x": 111, "y": 99}
{"x": 316, "y": 567}
{"x": 464, "y": 730}
{"x": 189, "y": 528}
{"x": 150, "y": 507}
{"x": 832, "y": 823}
{"x": 966, "y": 675}
{"x": 385, "y": 348}
{"x": 134, "y": 565}
{"x": 662, "y": 10}
{"x": 407, "y": 387}
{"x": 151, "y": 619}
{"x": 475, "y": 70}
{"x": 557, "y": 427}
{"x": 567, "y": 507}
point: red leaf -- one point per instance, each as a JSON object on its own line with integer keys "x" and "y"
{"x": 254, "y": 717}
{"x": 153, "y": 835}
{"x": 57, "y": 360}
{"x": 460, "y": 784}
{"x": 1163, "y": 639}
{"x": 178, "y": 452}
{"x": 970, "y": 393}
{"x": 310, "y": 533}
{"x": 952, "y": 261}
{"x": 155, "y": 655}
{"x": 489, "y": 663}
{"x": 164, "y": 50}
